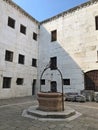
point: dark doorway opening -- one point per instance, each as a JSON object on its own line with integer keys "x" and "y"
{"x": 53, "y": 86}
{"x": 33, "y": 86}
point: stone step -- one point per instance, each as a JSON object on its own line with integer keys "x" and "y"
{"x": 68, "y": 112}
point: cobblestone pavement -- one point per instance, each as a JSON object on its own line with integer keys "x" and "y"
{"x": 11, "y": 119}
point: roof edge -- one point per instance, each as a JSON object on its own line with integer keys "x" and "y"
{"x": 21, "y": 10}
{"x": 54, "y": 17}
{"x": 70, "y": 10}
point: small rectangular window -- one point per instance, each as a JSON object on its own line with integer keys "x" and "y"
{"x": 21, "y": 59}
{"x": 34, "y": 36}
{"x": 6, "y": 82}
{"x": 11, "y": 22}
{"x": 19, "y": 81}
{"x": 42, "y": 81}
{"x": 22, "y": 29}
{"x": 54, "y": 35}
{"x": 96, "y": 22}
{"x": 66, "y": 81}
{"x": 8, "y": 55}
{"x": 53, "y": 63}
{"x": 34, "y": 62}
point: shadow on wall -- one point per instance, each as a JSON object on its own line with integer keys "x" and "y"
{"x": 67, "y": 61}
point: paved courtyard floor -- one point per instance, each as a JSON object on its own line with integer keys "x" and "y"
{"x": 11, "y": 119}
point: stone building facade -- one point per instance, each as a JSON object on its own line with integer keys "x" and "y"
{"x": 69, "y": 40}
{"x": 18, "y": 51}
{"x": 75, "y": 47}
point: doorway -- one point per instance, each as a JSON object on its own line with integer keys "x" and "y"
{"x": 91, "y": 80}
{"x": 53, "y": 86}
{"x": 33, "y": 86}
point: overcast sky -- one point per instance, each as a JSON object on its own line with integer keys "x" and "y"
{"x": 43, "y": 9}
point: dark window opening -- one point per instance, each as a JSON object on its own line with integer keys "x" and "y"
{"x": 6, "y": 82}
{"x": 22, "y": 29}
{"x": 42, "y": 81}
{"x": 54, "y": 35}
{"x": 33, "y": 86}
{"x": 19, "y": 81}
{"x": 96, "y": 22}
{"x": 9, "y": 56}
{"x": 21, "y": 59}
{"x": 34, "y": 36}
{"x": 66, "y": 81}
{"x": 53, "y": 63}
{"x": 11, "y": 22}
{"x": 34, "y": 62}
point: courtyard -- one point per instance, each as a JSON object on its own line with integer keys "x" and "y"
{"x": 11, "y": 119}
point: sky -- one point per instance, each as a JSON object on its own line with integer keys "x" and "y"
{"x": 44, "y": 9}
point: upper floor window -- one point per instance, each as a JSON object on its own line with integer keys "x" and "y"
{"x": 53, "y": 63}
{"x": 34, "y": 62}
{"x": 34, "y": 36}
{"x": 21, "y": 59}
{"x": 22, "y": 29}
{"x": 54, "y": 35}
{"x": 96, "y": 22}
{"x": 6, "y": 82}
{"x": 11, "y": 22}
{"x": 9, "y": 56}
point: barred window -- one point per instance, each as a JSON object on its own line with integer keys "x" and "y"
{"x": 34, "y": 62}
{"x": 19, "y": 81}
{"x": 22, "y": 29}
{"x": 54, "y": 35}
{"x": 6, "y": 82}
{"x": 8, "y": 55}
{"x": 21, "y": 59}
{"x": 11, "y": 22}
{"x": 53, "y": 63}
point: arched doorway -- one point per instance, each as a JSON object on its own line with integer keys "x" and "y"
{"x": 91, "y": 80}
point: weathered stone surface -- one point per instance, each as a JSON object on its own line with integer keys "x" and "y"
{"x": 11, "y": 119}
{"x": 75, "y": 48}
{"x": 50, "y": 101}
{"x": 13, "y": 40}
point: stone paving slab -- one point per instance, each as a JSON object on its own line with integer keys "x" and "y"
{"x": 17, "y": 100}
{"x": 11, "y": 119}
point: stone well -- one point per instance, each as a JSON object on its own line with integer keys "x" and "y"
{"x": 51, "y": 101}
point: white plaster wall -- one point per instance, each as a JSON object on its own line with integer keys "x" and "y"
{"x": 76, "y": 46}
{"x": 12, "y": 40}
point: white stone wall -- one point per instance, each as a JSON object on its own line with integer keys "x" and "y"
{"x": 12, "y": 40}
{"x": 76, "y": 47}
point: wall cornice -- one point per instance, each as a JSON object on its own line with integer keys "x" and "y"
{"x": 10, "y": 2}
{"x": 77, "y": 8}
